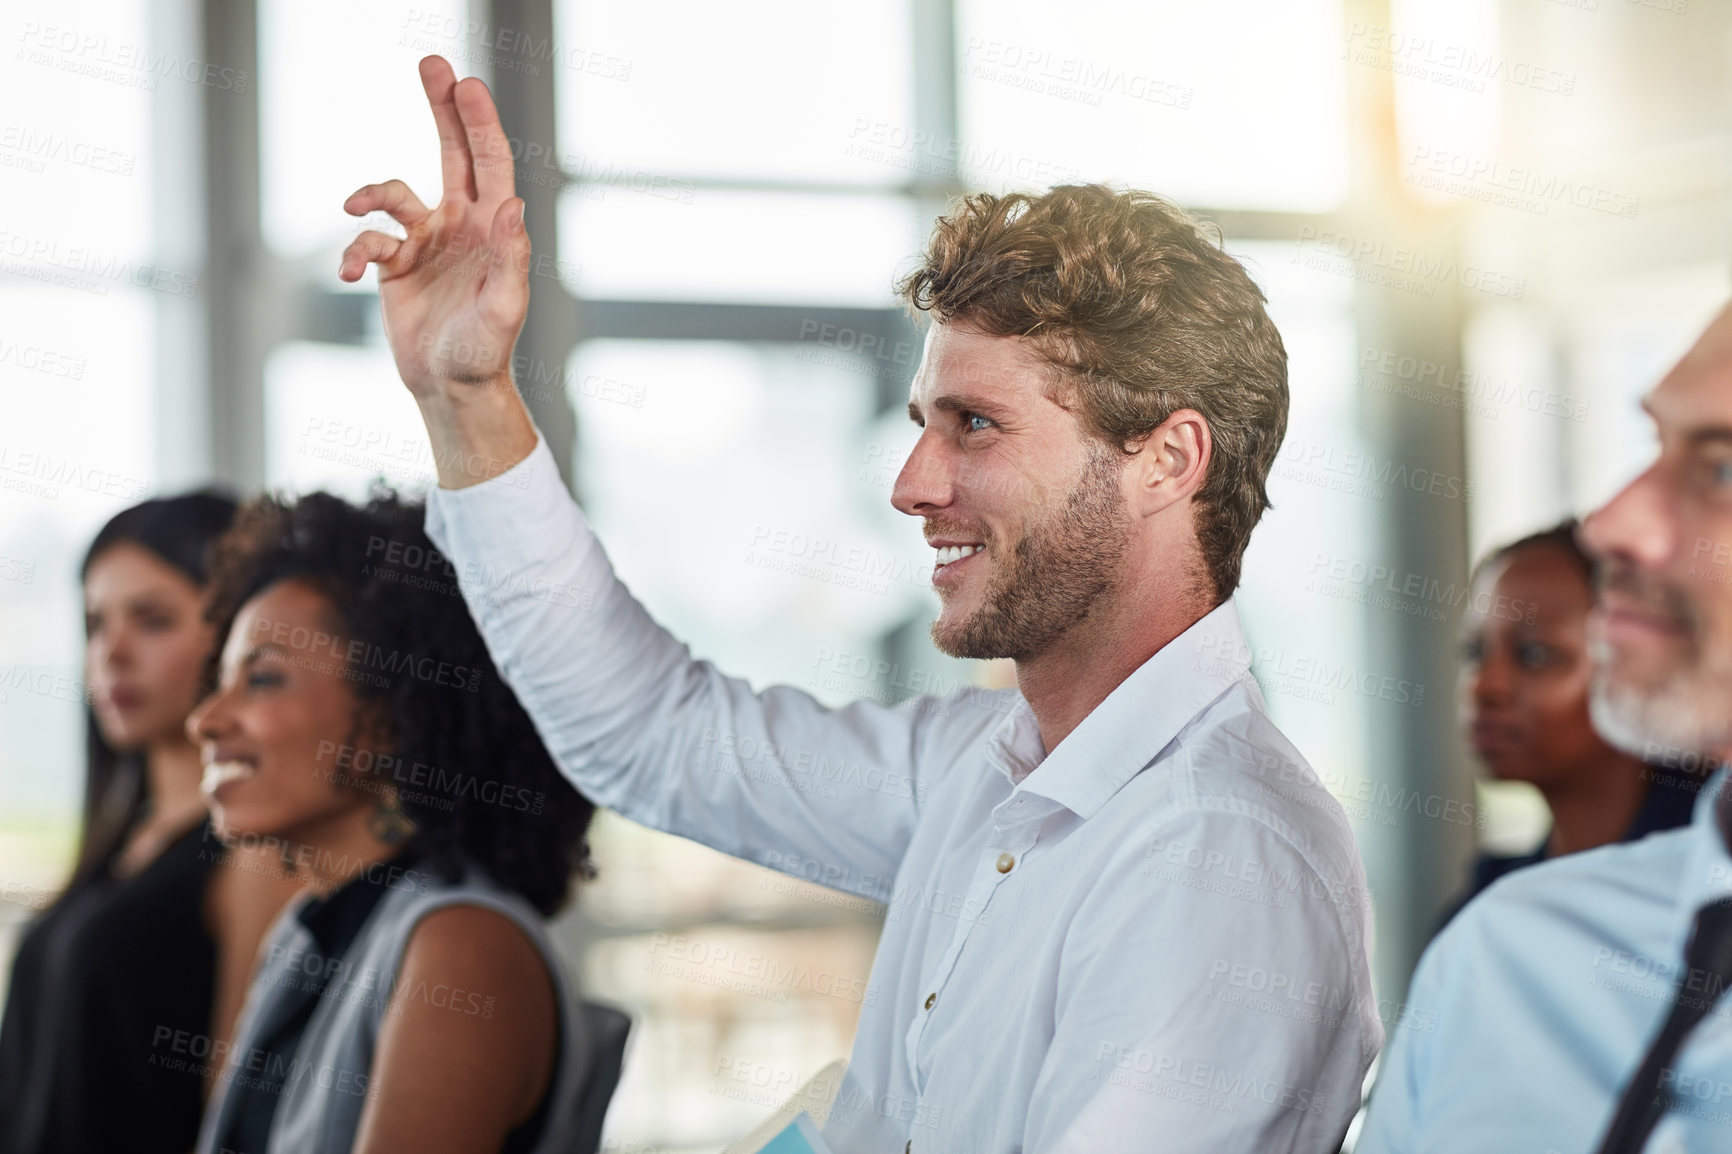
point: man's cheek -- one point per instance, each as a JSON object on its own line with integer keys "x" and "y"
{"x": 991, "y": 483}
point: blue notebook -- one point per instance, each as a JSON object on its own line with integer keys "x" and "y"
{"x": 793, "y": 1128}
{"x": 799, "y": 1137}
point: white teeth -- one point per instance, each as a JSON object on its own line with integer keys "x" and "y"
{"x": 949, "y": 553}
{"x": 221, "y": 772}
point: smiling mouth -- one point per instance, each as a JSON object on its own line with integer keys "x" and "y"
{"x": 950, "y": 554}
{"x": 1614, "y": 623}
{"x": 220, "y": 773}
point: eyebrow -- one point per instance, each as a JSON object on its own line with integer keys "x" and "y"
{"x": 153, "y": 595}
{"x": 1699, "y": 437}
{"x": 154, "y": 598}
{"x": 955, "y": 404}
{"x": 258, "y": 651}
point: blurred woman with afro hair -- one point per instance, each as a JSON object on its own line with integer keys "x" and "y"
{"x": 408, "y": 998}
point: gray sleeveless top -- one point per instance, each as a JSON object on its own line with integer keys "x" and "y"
{"x": 326, "y": 1088}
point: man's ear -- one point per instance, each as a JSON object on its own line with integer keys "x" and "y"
{"x": 1169, "y": 463}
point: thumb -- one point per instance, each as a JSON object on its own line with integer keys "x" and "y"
{"x": 505, "y": 295}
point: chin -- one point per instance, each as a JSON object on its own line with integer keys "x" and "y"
{"x": 239, "y": 820}
{"x": 1508, "y": 768}
{"x": 957, "y": 606}
{"x": 121, "y": 736}
{"x": 222, "y": 819}
{"x": 947, "y": 631}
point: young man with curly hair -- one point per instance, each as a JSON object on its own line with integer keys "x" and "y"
{"x": 1125, "y": 915}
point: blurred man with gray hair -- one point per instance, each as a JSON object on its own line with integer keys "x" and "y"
{"x": 1577, "y": 1005}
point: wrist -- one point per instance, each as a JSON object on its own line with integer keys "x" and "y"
{"x": 477, "y": 430}
{"x": 452, "y": 398}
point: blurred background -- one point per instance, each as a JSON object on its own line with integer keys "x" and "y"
{"x": 1485, "y": 227}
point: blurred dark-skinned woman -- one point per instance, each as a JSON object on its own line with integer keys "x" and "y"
{"x": 1525, "y": 677}
{"x": 152, "y": 942}
{"x": 409, "y": 999}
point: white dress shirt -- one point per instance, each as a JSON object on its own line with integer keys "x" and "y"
{"x": 1152, "y": 937}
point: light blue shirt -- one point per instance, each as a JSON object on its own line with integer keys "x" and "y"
{"x": 1151, "y": 937}
{"x": 1530, "y": 1012}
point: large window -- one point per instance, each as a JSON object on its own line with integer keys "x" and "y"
{"x": 1150, "y": 95}
{"x": 83, "y": 284}
{"x": 727, "y": 194}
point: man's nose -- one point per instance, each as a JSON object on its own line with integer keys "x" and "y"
{"x": 1635, "y": 525}
{"x": 924, "y": 484}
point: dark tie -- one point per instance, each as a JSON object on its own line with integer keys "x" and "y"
{"x": 1707, "y": 969}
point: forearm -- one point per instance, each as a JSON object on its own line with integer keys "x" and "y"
{"x": 643, "y": 728}
{"x": 477, "y": 431}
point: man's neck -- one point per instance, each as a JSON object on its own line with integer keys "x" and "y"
{"x": 1065, "y": 683}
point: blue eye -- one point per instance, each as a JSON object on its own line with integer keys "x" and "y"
{"x": 1712, "y": 469}
{"x": 264, "y": 679}
{"x": 968, "y": 420}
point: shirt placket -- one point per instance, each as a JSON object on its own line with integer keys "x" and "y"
{"x": 1015, "y": 830}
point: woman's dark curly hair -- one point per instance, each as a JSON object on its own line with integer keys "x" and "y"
{"x": 473, "y": 774}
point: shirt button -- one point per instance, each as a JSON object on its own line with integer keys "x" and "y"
{"x": 930, "y": 998}
{"x": 1005, "y": 863}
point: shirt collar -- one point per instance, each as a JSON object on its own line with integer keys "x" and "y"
{"x": 1708, "y": 868}
{"x": 1124, "y": 733}
{"x": 336, "y": 919}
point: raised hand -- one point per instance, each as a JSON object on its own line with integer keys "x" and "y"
{"x": 454, "y": 291}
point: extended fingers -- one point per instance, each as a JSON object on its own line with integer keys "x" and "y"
{"x": 489, "y": 150}
{"x": 395, "y": 197}
{"x": 440, "y": 84}
{"x": 366, "y": 249}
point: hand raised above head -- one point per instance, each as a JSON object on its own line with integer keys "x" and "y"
{"x": 455, "y": 290}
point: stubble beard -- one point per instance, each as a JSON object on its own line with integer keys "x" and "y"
{"x": 1058, "y": 572}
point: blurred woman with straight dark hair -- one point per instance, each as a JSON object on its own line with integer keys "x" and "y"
{"x": 151, "y": 942}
